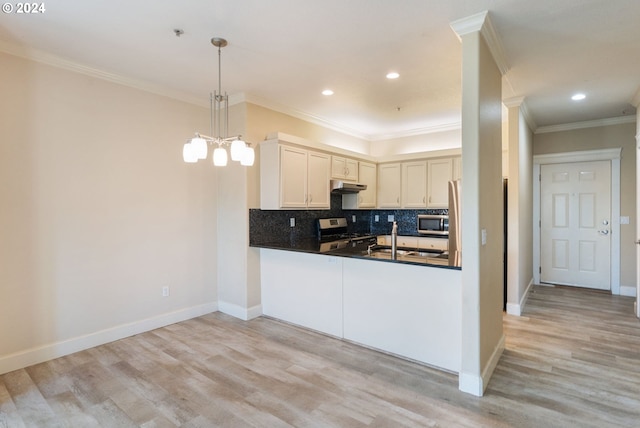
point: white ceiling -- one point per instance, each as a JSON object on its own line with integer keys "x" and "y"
{"x": 283, "y": 53}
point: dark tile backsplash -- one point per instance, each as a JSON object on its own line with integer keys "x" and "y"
{"x": 274, "y": 225}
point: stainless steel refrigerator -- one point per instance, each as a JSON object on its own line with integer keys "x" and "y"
{"x": 455, "y": 211}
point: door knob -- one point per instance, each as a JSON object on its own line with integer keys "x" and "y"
{"x": 603, "y": 232}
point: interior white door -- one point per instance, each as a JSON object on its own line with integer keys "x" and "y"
{"x": 575, "y": 243}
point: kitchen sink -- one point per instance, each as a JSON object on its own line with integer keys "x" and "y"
{"x": 409, "y": 255}
{"x": 388, "y": 251}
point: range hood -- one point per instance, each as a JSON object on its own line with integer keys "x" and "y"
{"x": 341, "y": 187}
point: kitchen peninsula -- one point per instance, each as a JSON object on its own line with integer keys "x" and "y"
{"x": 409, "y": 307}
{"x": 405, "y": 309}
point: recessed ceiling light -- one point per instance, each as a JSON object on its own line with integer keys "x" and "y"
{"x": 578, "y": 97}
{"x": 327, "y": 92}
{"x": 392, "y": 75}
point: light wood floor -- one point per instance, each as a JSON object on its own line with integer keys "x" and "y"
{"x": 572, "y": 359}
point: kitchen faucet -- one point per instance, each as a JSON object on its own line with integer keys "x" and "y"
{"x": 370, "y": 247}
{"x": 394, "y": 241}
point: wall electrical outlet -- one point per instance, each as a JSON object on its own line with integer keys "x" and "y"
{"x": 353, "y": 218}
{"x": 376, "y": 218}
{"x": 483, "y": 236}
{"x": 624, "y": 219}
{"x": 390, "y": 218}
{"x": 165, "y": 291}
{"x": 292, "y": 222}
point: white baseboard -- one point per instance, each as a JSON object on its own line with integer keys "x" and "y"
{"x": 517, "y": 308}
{"x": 474, "y": 384}
{"x": 48, "y": 352}
{"x": 627, "y": 290}
{"x": 240, "y": 312}
{"x": 470, "y": 383}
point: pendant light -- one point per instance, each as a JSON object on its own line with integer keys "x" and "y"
{"x": 196, "y": 148}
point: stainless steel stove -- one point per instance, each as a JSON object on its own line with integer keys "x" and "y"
{"x": 333, "y": 236}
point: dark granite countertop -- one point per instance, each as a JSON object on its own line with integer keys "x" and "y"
{"x": 305, "y": 245}
{"x": 312, "y": 246}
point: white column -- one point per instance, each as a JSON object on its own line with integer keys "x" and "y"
{"x": 482, "y": 230}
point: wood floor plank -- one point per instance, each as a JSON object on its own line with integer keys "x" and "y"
{"x": 571, "y": 360}
{"x": 9, "y": 415}
{"x": 32, "y": 406}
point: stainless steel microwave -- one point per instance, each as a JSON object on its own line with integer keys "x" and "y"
{"x": 432, "y": 224}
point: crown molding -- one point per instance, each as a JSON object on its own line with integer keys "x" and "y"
{"x": 480, "y": 22}
{"x": 586, "y": 124}
{"x": 63, "y": 63}
{"x": 520, "y": 102}
{"x": 513, "y": 102}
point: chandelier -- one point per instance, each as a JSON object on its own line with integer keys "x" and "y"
{"x": 196, "y": 147}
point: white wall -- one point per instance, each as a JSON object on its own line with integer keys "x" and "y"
{"x": 520, "y": 211}
{"x": 99, "y": 212}
{"x": 443, "y": 140}
{"x": 262, "y": 121}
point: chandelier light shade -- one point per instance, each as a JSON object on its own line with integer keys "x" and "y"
{"x": 220, "y": 157}
{"x": 238, "y": 148}
{"x": 188, "y": 154}
{"x": 248, "y": 157}
{"x": 197, "y": 148}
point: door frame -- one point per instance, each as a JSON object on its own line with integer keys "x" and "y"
{"x": 612, "y": 155}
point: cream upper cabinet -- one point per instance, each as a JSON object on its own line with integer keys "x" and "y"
{"x": 294, "y": 178}
{"x": 368, "y": 174}
{"x": 414, "y": 184}
{"x": 297, "y": 176}
{"x": 318, "y": 191}
{"x": 440, "y": 173}
{"x": 389, "y": 185}
{"x": 344, "y": 168}
{"x": 365, "y": 198}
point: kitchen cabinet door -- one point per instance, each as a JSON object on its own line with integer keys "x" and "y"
{"x": 293, "y": 177}
{"x": 439, "y": 171}
{"x": 338, "y": 167}
{"x": 344, "y": 168}
{"x": 389, "y": 185}
{"x": 352, "y": 173}
{"x": 318, "y": 191}
{"x": 414, "y": 184}
{"x": 438, "y": 244}
{"x": 368, "y": 175}
{"x": 365, "y": 199}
